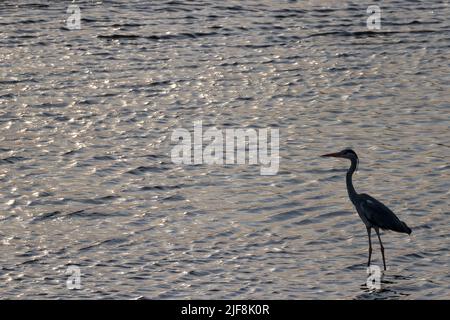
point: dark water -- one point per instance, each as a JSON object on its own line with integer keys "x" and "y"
{"x": 87, "y": 179}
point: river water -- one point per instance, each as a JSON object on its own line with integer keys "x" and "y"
{"x": 87, "y": 180}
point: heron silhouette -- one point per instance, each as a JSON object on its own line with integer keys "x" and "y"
{"x": 372, "y": 212}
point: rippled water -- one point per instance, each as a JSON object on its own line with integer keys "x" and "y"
{"x": 87, "y": 179}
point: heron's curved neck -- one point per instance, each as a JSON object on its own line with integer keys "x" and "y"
{"x": 351, "y": 190}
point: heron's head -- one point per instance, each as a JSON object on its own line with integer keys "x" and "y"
{"x": 346, "y": 154}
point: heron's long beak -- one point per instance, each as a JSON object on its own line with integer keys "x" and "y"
{"x": 336, "y": 155}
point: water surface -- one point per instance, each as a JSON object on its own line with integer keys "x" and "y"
{"x": 87, "y": 179}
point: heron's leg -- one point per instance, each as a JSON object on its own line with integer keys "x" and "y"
{"x": 369, "y": 231}
{"x": 381, "y": 246}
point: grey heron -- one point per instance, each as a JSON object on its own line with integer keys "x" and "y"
{"x": 372, "y": 212}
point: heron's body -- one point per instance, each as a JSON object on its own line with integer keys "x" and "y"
{"x": 372, "y": 212}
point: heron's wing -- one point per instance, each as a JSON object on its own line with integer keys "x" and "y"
{"x": 379, "y": 215}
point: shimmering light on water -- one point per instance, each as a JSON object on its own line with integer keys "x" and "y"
{"x": 85, "y": 170}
